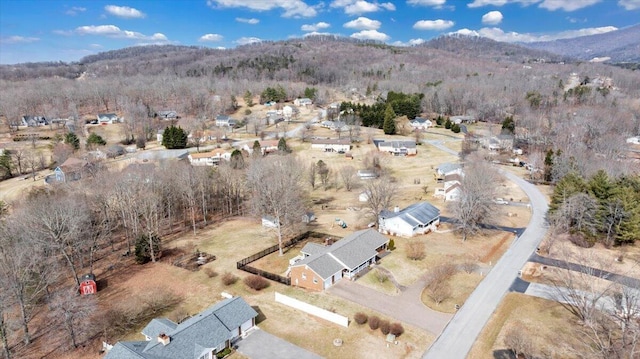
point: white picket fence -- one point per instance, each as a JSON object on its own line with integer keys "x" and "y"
{"x": 313, "y": 310}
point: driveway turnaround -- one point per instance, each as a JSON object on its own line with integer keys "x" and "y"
{"x": 458, "y": 337}
{"x": 262, "y": 345}
{"x": 406, "y": 307}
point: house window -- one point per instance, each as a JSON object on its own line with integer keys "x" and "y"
{"x": 315, "y": 280}
{"x": 304, "y": 276}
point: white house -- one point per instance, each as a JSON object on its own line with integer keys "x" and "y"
{"x": 448, "y": 169}
{"x": 332, "y": 144}
{"x": 634, "y": 140}
{"x": 269, "y": 222}
{"x": 265, "y": 146}
{"x": 418, "y": 218}
{"x": 107, "y": 118}
{"x": 225, "y": 121}
{"x": 462, "y": 119}
{"x": 367, "y": 174}
{"x": 303, "y": 102}
{"x": 168, "y": 115}
{"x": 398, "y": 148}
{"x": 211, "y": 158}
{"x": 419, "y": 123}
{"x": 450, "y": 189}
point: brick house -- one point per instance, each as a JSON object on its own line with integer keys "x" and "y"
{"x": 323, "y": 266}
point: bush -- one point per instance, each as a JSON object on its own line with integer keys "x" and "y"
{"x": 396, "y": 329}
{"x": 223, "y": 353}
{"x": 374, "y": 322}
{"x": 360, "y": 318}
{"x": 416, "y": 250}
{"x": 392, "y": 245}
{"x": 469, "y": 266}
{"x": 210, "y": 272}
{"x": 380, "y": 275}
{"x": 385, "y": 327}
{"x": 256, "y": 282}
{"x": 229, "y": 279}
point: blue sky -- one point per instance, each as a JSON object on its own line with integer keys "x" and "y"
{"x": 58, "y": 30}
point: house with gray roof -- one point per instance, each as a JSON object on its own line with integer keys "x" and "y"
{"x": 199, "y": 337}
{"x": 107, "y": 118}
{"x": 418, "y": 218}
{"x": 323, "y": 266}
{"x": 398, "y": 148}
{"x": 447, "y": 169}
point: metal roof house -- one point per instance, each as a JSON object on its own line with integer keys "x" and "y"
{"x": 323, "y": 266}
{"x": 418, "y": 218}
{"x": 199, "y": 337}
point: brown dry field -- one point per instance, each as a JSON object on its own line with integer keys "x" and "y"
{"x": 550, "y": 327}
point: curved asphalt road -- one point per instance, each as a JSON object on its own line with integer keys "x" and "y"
{"x": 458, "y": 337}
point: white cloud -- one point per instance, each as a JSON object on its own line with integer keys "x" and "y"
{"x": 552, "y": 5}
{"x": 492, "y": 18}
{"x": 412, "y": 42}
{"x": 433, "y": 24}
{"x": 465, "y": 32}
{"x": 115, "y": 32}
{"x": 566, "y": 5}
{"x": 210, "y": 38}
{"x": 357, "y": 7}
{"x": 629, "y": 4}
{"x": 18, "y": 40}
{"x": 124, "y": 12}
{"x": 95, "y": 46}
{"x": 480, "y": 3}
{"x": 315, "y": 33}
{"x": 251, "y": 21}
{"x": 388, "y": 6}
{"x": 363, "y": 23}
{"x": 63, "y": 32}
{"x": 435, "y": 3}
{"x": 292, "y": 8}
{"x": 500, "y": 35}
{"x": 75, "y": 10}
{"x": 315, "y": 27}
{"x": 247, "y": 40}
{"x": 371, "y": 35}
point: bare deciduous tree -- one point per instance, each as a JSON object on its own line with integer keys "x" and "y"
{"x": 73, "y": 313}
{"x": 381, "y": 193}
{"x": 475, "y": 203}
{"x": 348, "y": 177}
{"x": 275, "y": 182}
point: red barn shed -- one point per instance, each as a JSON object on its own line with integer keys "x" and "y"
{"x": 88, "y": 284}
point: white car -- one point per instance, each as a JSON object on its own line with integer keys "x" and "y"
{"x": 500, "y": 201}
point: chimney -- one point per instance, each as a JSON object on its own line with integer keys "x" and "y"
{"x": 164, "y": 339}
{"x": 396, "y": 209}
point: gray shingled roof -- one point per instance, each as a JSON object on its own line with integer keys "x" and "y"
{"x": 191, "y": 338}
{"x": 417, "y": 213}
{"x": 312, "y": 248}
{"x": 157, "y": 326}
{"x": 448, "y": 167}
{"x": 347, "y": 253}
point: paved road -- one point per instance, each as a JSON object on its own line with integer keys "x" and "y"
{"x": 262, "y": 345}
{"x": 406, "y": 307}
{"x": 599, "y": 273}
{"x": 459, "y": 335}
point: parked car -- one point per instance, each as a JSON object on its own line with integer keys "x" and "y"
{"x": 500, "y": 201}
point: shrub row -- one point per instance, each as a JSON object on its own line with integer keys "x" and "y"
{"x": 377, "y": 323}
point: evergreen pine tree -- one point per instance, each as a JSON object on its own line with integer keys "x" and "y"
{"x": 389, "y": 125}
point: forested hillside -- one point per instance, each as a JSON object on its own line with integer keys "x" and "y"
{"x": 620, "y": 46}
{"x": 578, "y": 108}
